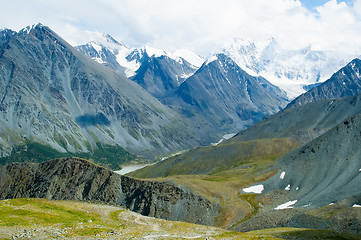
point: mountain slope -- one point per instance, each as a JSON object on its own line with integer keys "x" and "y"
{"x": 226, "y": 96}
{"x": 108, "y": 51}
{"x": 160, "y": 75}
{"x": 316, "y": 185}
{"x": 270, "y": 138}
{"x": 345, "y": 82}
{"x": 53, "y": 94}
{"x": 324, "y": 171}
{"x": 303, "y": 123}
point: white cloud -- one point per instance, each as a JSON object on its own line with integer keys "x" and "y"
{"x": 200, "y": 25}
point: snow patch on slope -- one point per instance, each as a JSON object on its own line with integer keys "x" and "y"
{"x": 286, "y": 205}
{"x": 254, "y": 189}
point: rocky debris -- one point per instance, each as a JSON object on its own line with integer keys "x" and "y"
{"x": 78, "y": 179}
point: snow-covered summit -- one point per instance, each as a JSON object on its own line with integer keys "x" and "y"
{"x": 187, "y": 55}
{"x": 289, "y": 69}
{"x": 126, "y": 59}
{"x": 29, "y": 28}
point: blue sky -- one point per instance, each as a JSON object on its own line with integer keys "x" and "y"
{"x": 311, "y": 4}
{"x": 201, "y": 25}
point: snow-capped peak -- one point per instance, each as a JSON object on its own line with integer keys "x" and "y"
{"x": 211, "y": 59}
{"x": 288, "y": 69}
{"x": 110, "y": 39}
{"x": 154, "y": 52}
{"x": 187, "y": 55}
{"x": 28, "y": 29}
{"x": 106, "y": 40}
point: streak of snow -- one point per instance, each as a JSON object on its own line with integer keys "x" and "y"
{"x": 97, "y": 47}
{"x": 288, "y": 187}
{"x": 286, "y": 205}
{"x": 282, "y": 176}
{"x": 356, "y": 206}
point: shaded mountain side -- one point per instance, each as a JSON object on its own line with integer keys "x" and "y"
{"x": 160, "y": 75}
{"x": 343, "y": 83}
{"x": 77, "y": 179}
{"x": 324, "y": 171}
{"x": 225, "y": 96}
{"x": 303, "y": 123}
{"x": 54, "y": 95}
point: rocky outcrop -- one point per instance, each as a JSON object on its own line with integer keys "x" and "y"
{"x": 78, "y": 179}
{"x": 162, "y": 200}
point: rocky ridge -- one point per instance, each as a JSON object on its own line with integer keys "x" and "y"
{"x": 77, "y": 179}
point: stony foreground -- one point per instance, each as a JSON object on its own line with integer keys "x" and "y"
{"x": 48, "y": 219}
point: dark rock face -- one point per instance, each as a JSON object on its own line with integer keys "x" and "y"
{"x": 162, "y": 200}
{"x": 59, "y": 179}
{"x": 77, "y": 179}
{"x": 160, "y": 75}
{"x": 345, "y": 82}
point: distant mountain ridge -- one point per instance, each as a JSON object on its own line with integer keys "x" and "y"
{"x": 194, "y": 90}
{"x": 289, "y": 69}
{"x": 110, "y": 52}
{"x": 343, "y": 83}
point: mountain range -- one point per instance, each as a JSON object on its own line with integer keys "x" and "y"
{"x": 291, "y": 70}
{"x": 75, "y": 105}
{"x": 225, "y": 95}
{"x": 297, "y": 168}
{"x": 218, "y": 93}
{"x": 288, "y": 166}
{"x": 54, "y": 95}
